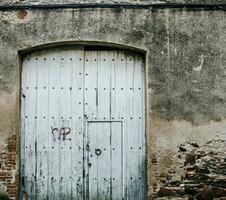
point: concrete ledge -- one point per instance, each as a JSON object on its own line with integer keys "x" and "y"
{"x": 117, "y": 5}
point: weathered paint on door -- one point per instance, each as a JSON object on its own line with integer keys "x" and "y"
{"x": 83, "y": 134}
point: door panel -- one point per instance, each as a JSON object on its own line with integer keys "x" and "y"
{"x": 73, "y": 102}
{"x": 104, "y": 152}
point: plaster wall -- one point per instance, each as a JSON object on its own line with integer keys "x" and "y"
{"x": 186, "y": 88}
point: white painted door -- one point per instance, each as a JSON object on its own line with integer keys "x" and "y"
{"x": 83, "y": 134}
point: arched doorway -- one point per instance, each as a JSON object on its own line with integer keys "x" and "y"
{"x": 83, "y": 124}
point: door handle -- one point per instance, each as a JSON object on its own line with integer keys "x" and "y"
{"x": 97, "y": 152}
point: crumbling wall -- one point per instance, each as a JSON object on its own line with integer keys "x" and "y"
{"x": 186, "y": 88}
{"x": 194, "y": 169}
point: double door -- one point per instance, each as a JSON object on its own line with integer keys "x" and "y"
{"x": 82, "y": 128}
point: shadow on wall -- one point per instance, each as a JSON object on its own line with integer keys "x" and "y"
{"x": 204, "y": 172}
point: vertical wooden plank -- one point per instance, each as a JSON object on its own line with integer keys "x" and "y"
{"x": 104, "y": 164}
{"x": 92, "y": 161}
{"x": 65, "y": 124}
{"x": 54, "y": 117}
{"x": 116, "y": 161}
{"x": 91, "y": 85}
{"x": 139, "y": 124}
{"x": 103, "y": 87}
{"x": 77, "y": 123}
{"x": 42, "y": 125}
{"x": 30, "y": 66}
{"x": 118, "y": 105}
{"x": 91, "y": 102}
{"x": 103, "y": 161}
{"x": 131, "y": 131}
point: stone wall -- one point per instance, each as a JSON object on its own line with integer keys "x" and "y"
{"x": 186, "y": 88}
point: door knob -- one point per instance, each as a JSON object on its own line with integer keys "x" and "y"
{"x": 98, "y": 151}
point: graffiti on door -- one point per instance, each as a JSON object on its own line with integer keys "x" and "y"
{"x": 60, "y": 133}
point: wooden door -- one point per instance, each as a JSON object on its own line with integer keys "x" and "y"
{"x": 83, "y": 134}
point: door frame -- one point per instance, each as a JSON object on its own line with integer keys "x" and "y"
{"x": 101, "y": 44}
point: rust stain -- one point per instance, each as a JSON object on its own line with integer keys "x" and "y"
{"x": 22, "y": 14}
